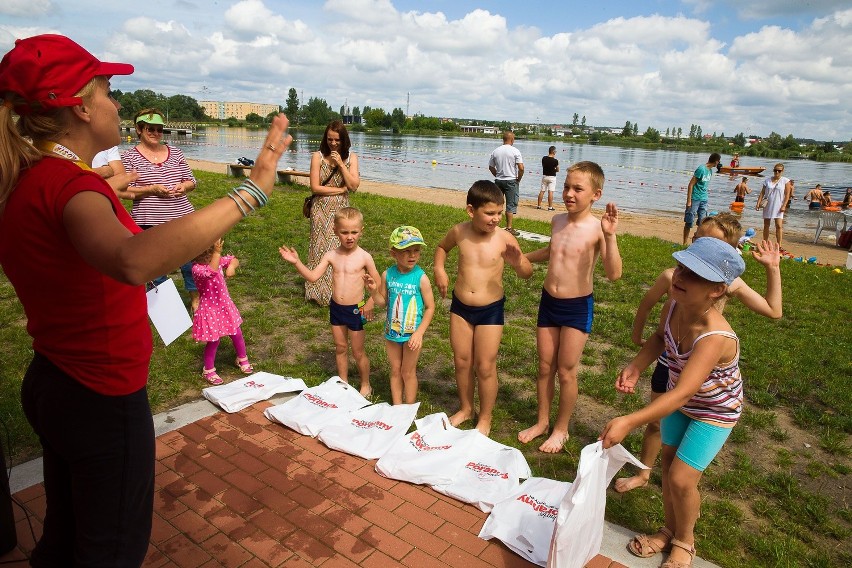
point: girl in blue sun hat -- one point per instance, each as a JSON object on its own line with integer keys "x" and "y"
{"x": 406, "y": 291}
{"x": 704, "y": 395}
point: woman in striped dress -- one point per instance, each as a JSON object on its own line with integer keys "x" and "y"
{"x": 704, "y": 395}
{"x": 334, "y": 173}
{"x": 164, "y": 179}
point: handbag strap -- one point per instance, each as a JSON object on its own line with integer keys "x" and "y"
{"x": 331, "y": 175}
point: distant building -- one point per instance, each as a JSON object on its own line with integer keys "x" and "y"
{"x": 480, "y": 129}
{"x": 239, "y": 110}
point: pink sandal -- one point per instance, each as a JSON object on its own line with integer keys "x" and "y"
{"x": 244, "y": 365}
{"x": 212, "y": 377}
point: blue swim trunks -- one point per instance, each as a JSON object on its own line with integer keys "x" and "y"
{"x": 566, "y": 312}
{"x": 350, "y": 316}
{"x": 490, "y": 314}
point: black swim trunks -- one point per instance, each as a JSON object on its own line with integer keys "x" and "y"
{"x": 489, "y": 314}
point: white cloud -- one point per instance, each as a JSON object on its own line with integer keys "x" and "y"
{"x": 26, "y": 7}
{"x": 657, "y": 70}
{"x": 251, "y": 18}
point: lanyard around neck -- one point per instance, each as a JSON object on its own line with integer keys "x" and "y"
{"x": 61, "y": 151}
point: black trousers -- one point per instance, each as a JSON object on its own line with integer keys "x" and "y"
{"x": 98, "y": 470}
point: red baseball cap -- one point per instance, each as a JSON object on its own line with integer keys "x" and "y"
{"x": 48, "y": 70}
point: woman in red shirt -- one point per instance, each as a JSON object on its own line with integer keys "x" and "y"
{"x": 78, "y": 264}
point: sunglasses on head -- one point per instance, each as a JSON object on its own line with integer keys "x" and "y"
{"x": 150, "y": 128}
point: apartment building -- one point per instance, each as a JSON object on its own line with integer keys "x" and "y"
{"x": 238, "y": 110}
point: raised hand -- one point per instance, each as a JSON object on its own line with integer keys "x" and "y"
{"x": 370, "y": 283}
{"x": 288, "y": 254}
{"x": 266, "y": 164}
{"x": 767, "y": 253}
{"x": 513, "y": 253}
{"x": 609, "y": 220}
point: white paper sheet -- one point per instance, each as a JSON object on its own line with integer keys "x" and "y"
{"x": 167, "y": 312}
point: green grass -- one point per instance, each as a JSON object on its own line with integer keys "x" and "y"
{"x": 775, "y": 496}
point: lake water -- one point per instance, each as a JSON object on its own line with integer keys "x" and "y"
{"x": 641, "y": 181}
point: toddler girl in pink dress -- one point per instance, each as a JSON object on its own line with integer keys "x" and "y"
{"x": 217, "y": 315}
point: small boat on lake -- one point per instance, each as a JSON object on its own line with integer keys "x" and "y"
{"x": 740, "y": 171}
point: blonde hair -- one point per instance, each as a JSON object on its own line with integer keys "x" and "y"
{"x": 16, "y": 150}
{"x": 593, "y": 170}
{"x": 729, "y": 226}
{"x": 348, "y": 214}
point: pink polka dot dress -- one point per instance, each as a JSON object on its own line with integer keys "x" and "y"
{"x": 217, "y": 315}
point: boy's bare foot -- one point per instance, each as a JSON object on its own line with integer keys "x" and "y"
{"x": 366, "y": 391}
{"x": 555, "y": 443}
{"x": 625, "y": 484}
{"x": 532, "y": 433}
{"x": 460, "y": 417}
{"x": 484, "y": 427}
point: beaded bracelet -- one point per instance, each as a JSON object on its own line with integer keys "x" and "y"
{"x": 243, "y": 211}
{"x": 255, "y": 191}
{"x": 236, "y": 192}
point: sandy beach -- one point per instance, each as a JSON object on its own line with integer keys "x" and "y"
{"x": 669, "y": 228}
{"x": 666, "y": 227}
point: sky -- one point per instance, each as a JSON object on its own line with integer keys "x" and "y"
{"x": 728, "y": 66}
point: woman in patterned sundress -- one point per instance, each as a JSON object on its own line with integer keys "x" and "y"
{"x": 334, "y": 173}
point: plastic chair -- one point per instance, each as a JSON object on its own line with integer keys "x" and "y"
{"x": 831, "y": 220}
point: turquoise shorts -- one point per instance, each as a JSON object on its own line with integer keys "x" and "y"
{"x": 697, "y": 442}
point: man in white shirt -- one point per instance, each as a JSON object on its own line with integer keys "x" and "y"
{"x": 507, "y": 166}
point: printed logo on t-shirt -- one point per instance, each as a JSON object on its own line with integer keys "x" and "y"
{"x": 314, "y": 399}
{"x": 253, "y": 385}
{"x": 484, "y": 471}
{"x": 366, "y": 425}
{"x": 542, "y": 508}
{"x": 422, "y": 445}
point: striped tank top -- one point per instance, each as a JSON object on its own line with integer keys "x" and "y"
{"x": 719, "y": 401}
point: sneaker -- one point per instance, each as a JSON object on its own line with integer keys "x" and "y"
{"x": 538, "y": 206}
{"x": 551, "y": 208}
{"x": 512, "y": 231}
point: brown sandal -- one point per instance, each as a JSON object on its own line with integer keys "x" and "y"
{"x": 642, "y": 546}
{"x": 677, "y": 563}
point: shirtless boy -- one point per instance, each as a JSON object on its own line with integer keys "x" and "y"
{"x": 742, "y": 190}
{"x": 565, "y": 312}
{"x": 476, "y": 312}
{"x": 349, "y": 263}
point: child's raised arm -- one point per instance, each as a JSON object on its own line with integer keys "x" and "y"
{"x": 373, "y": 272}
{"x": 609, "y": 247}
{"x": 217, "y": 254}
{"x": 377, "y": 289}
{"x": 292, "y": 256}
{"x": 448, "y": 243}
{"x": 231, "y": 270}
{"x": 769, "y": 255}
{"x": 415, "y": 342}
{"x": 654, "y": 294}
{"x": 516, "y": 258}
